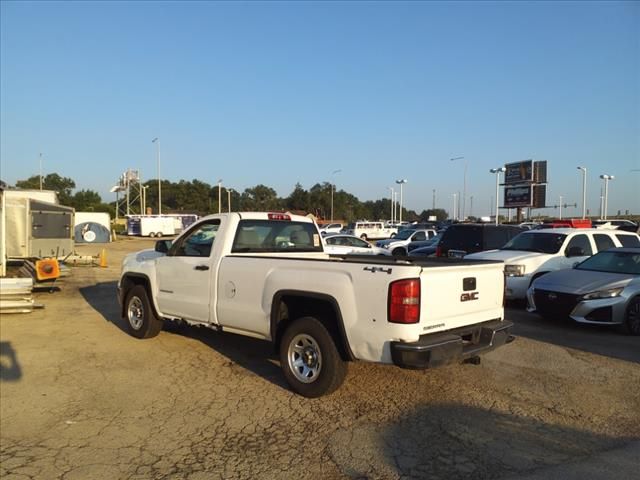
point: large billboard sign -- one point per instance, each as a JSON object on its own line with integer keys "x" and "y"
{"x": 517, "y": 196}
{"x": 525, "y": 196}
{"x": 518, "y": 172}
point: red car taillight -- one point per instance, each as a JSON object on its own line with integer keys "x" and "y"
{"x": 404, "y": 301}
{"x": 439, "y": 252}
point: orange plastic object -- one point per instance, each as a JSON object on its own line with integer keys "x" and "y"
{"x": 47, "y": 269}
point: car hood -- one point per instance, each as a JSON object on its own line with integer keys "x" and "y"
{"x": 509, "y": 256}
{"x": 576, "y": 281}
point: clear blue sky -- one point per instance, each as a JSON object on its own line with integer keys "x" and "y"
{"x": 286, "y": 92}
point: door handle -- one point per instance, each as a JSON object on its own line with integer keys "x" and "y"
{"x": 201, "y": 267}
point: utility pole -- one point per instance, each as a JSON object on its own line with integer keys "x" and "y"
{"x": 219, "y": 195}
{"x": 157, "y": 142}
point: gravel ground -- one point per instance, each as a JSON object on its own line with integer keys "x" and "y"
{"x": 80, "y": 399}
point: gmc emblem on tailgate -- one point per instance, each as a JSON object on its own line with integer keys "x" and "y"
{"x": 466, "y": 297}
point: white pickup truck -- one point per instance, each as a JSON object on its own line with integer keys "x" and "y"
{"x": 265, "y": 275}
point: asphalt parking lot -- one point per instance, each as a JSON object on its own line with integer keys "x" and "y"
{"x": 80, "y": 399}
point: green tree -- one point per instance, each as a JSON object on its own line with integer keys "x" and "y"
{"x": 86, "y": 200}
{"x": 260, "y": 198}
{"x": 52, "y": 181}
{"x": 298, "y": 199}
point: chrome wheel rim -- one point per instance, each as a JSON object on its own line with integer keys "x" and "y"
{"x": 135, "y": 313}
{"x": 304, "y": 358}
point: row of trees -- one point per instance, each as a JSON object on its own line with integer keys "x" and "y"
{"x": 202, "y": 198}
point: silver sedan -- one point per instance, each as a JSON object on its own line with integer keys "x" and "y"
{"x": 342, "y": 244}
{"x": 604, "y": 290}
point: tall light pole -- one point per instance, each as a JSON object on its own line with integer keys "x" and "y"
{"x": 157, "y": 142}
{"x": 332, "y": 188}
{"x": 41, "y": 171}
{"x": 497, "y": 171}
{"x": 584, "y": 191}
{"x": 393, "y": 196}
{"x": 455, "y": 215}
{"x": 434, "y": 199}
{"x": 606, "y": 179}
{"x": 560, "y": 216}
{"x": 401, "y": 183}
{"x": 229, "y": 190}
{"x": 219, "y": 195}
{"x": 464, "y": 184}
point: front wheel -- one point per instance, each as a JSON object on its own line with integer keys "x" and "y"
{"x": 398, "y": 252}
{"x": 632, "y": 317}
{"x": 141, "y": 319}
{"x": 310, "y": 359}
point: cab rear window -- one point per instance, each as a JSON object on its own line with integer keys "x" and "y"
{"x": 276, "y": 236}
{"x": 629, "y": 240}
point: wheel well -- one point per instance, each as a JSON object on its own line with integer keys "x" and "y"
{"x": 289, "y": 307}
{"x": 127, "y": 283}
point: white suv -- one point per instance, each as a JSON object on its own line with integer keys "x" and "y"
{"x": 536, "y": 252}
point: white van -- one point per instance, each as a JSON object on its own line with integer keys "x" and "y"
{"x": 371, "y": 230}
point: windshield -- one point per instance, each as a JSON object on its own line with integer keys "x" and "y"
{"x": 613, "y": 262}
{"x": 536, "y": 242}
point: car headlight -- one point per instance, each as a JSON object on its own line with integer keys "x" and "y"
{"x": 610, "y": 293}
{"x": 514, "y": 270}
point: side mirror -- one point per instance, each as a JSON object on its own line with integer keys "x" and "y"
{"x": 575, "y": 252}
{"x": 162, "y": 246}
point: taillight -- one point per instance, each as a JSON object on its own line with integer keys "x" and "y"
{"x": 404, "y": 301}
{"x": 439, "y": 252}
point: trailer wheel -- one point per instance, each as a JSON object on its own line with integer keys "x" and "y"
{"x": 310, "y": 359}
{"x": 152, "y": 234}
{"x": 141, "y": 319}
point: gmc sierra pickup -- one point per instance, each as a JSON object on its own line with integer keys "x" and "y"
{"x": 265, "y": 275}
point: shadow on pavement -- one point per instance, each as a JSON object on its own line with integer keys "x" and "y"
{"x": 601, "y": 340}
{"x": 10, "y": 370}
{"x": 252, "y": 354}
{"x": 460, "y": 442}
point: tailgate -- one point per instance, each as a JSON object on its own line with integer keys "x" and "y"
{"x": 454, "y": 296}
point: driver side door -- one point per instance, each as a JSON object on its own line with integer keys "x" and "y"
{"x": 184, "y": 275}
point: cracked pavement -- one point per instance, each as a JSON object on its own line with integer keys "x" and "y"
{"x": 80, "y": 399}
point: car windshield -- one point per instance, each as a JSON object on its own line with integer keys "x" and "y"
{"x": 536, "y": 242}
{"x": 404, "y": 234}
{"x": 613, "y": 262}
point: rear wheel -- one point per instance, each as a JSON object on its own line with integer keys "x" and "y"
{"x": 310, "y": 359}
{"x": 141, "y": 319}
{"x": 398, "y": 252}
{"x": 152, "y": 234}
{"x": 632, "y": 317}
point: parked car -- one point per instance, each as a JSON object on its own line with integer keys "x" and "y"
{"x": 529, "y": 225}
{"x": 342, "y": 244}
{"x": 398, "y": 244}
{"x": 537, "y": 252}
{"x": 367, "y": 230}
{"x": 330, "y": 228}
{"x": 426, "y": 249}
{"x": 602, "y": 290}
{"x": 627, "y": 224}
{"x": 460, "y": 239}
{"x": 430, "y": 242}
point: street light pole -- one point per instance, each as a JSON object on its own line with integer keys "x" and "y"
{"x": 393, "y": 196}
{"x": 497, "y": 171}
{"x": 560, "y": 216}
{"x": 219, "y": 195}
{"x": 584, "y": 191}
{"x": 41, "y": 171}
{"x": 157, "y": 142}
{"x": 401, "y": 183}
{"x": 229, "y": 190}
{"x": 606, "y": 179}
{"x": 332, "y": 188}
{"x": 464, "y": 184}
{"x": 455, "y": 215}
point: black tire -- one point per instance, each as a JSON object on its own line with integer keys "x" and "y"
{"x": 310, "y": 359}
{"x": 141, "y": 320}
{"x": 398, "y": 252}
{"x": 632, "y": 317}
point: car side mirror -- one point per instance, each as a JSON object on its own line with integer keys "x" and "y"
{"x": 575, "y": 252}
{"x": 162, "y": 246}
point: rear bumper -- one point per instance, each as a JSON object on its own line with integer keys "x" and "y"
{"x": 439, "y": 349}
